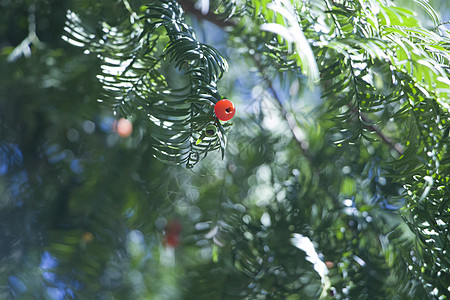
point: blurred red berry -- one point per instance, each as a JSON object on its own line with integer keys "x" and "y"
{"x": 329, "y": 264}
{"x": 123, "y": 127}
{"x": 172, "y": 236}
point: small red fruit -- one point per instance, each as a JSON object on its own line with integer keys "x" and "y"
{"x": 224, "y": 110}
{"x": 123, "y": 127}
{"x": 172, "y": 235}
{"x": 329, "y": 264}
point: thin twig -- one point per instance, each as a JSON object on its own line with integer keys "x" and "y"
{"x": 24, "y": 48}
{"x": 383, "y": 137}
{"x": 443, "y": 23}
{"x": 296, "y": 131}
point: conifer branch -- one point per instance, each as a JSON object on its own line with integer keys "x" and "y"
{"x": 189, "y": 6}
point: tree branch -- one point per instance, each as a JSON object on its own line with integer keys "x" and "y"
{"x": 189, "y": 7}
{"x": 383, "y": 137}
{"x": 296, "y": 131}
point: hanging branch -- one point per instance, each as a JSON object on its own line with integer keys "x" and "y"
{"x": 303, "y": 145}
{"x": 153, "y": 66}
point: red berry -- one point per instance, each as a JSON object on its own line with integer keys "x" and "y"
{"x": 224, "y": 110}
{"x": 173, "y": 232}
{"x": 123, "y": 127}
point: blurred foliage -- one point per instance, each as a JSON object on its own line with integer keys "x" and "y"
{"x": 335, "y": 180}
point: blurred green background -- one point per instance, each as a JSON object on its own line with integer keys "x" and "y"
{"x": 88, "y": 214}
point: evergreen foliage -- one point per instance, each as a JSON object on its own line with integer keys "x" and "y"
{"x": 334, "y": 182}
{"x": 152, "y": 65}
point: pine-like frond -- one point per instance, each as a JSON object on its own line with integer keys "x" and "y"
{"x": 153, "y": 67}
{"x": 379, "y": 69}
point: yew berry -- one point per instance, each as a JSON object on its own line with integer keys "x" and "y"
{"x": 172, "y": 236}
{"x": 224, "y": 110}
{"x": 123, "y": 127}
